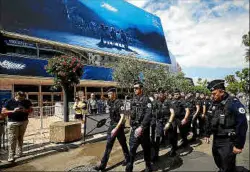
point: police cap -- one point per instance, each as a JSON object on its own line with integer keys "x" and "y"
{"x": 176, "y": 90}
{"x": 160, "y": 90}
{"x": 111, "y": 89}
{"x": 216, "y": 84}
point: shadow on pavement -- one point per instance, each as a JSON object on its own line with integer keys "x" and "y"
{"x": 40, "y": 153}
{"x": 185, "y": 150}
{"x": 166, "y": 163}
{"x": 241, "y": 169}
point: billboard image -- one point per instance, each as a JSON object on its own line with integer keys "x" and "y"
{"x": 113, "y": 26}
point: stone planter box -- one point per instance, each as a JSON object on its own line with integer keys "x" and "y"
{"x": 63, "y": 132}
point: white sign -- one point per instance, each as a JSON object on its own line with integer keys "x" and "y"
{"x": 11, "y": 65}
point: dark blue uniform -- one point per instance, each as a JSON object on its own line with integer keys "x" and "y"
{"x": 229, "y": 126}
{"x": 116, "y": 108}
{"x": 141, "y": 112}
{"x": 180, "y": 111}
{"x": 153, "y": 121}
{"x": 160, "y": 119}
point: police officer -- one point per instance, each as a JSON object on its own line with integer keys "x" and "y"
{"x": 228, "y": 125}
{"x": 170, "y": 126}
{"x": 160, "y": 122}
{"x": 195, "y": 116}
{"x": 153, "y": 119}
{"x": 141, "y": 109}
{"x": 181, "y": 114}
{"x": 116, "y": 129}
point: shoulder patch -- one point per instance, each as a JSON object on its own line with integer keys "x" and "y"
{"x": 242, "y": 110}
{"x": 149, "y": 105}
{"x": 122, "y": 108}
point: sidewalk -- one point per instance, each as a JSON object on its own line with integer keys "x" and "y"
{"x": 84, "y": 157}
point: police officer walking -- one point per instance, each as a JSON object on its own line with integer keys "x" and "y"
{"x": 228, "y": 125}
{"x": 141, "y": 109}
{"x": 153, "y": 119}
{"x": 160, "y": 122}
{"x": 181, "y": 114}
{"x": 116, "y": 129}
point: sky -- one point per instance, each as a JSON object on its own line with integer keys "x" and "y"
{"x": 204, "y": 35}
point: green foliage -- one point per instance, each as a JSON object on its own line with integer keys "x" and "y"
{"x": 126, "y": 70}
{"x": 66, "y": 70}
{"x": 246, "y": 42}
{"x": 239, "y": 82}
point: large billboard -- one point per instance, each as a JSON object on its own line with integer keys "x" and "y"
{"x": 16, "y": 65}
{"x": 113, "y": 26}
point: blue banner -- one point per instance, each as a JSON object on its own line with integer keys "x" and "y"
{"x": 13, "y": 65}
{"x": 113, "y": 26}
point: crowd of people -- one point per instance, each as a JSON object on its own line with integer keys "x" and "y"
{"x": 156, "y": 118}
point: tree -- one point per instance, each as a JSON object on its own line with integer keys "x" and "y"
{"x": 238, "y": 82}
{"x": 230, "y": 79}
{"x": 67, "y": 71}
{"x": 246, "y": 42}
{"x": 126, "y": 70}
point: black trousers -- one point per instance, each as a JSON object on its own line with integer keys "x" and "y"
{"x": 223, "y": 154}
{"x": 152, "y": 132}
{"x": 184, "y": 129}
{"x": 159, "y": 133}
{"x": 110, "y": 142}
{"x": 144, "y": 141}
{"x": 173, "y": 136}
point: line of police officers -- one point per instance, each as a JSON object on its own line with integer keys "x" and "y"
{"x": 152, "y": 118}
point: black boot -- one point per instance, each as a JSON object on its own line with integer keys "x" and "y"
{"x": 99, "y": 168}
{"x": 129, "y": 168}
{"x": 125, "y": 162}
{"x": 172, "y": 153}
{"x": 148, "y": 167}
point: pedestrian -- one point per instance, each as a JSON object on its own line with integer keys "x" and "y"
{"x": 115, "y": 130}
{"x": 92, "y": 104}
{"x": 228, "y": 126}
{"x": 101, "y": 104}
{"x": 141, "y": 109}
{"x": 181, "y": 115}
{"x": 17, "y": 110}
{"x": 78, "y": 109}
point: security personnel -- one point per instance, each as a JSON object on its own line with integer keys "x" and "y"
{"x": 170, "y": 126}
{"x": 182, "y": 114}
{"x": 153, "y": 119}
{"x": 141, "y": 109}
{"x": 228, "y": 125}
{"x": 195, "y": 116}
{"x": 160, "y": 119}
{"x": 116, "y": 129}
{"x": 202, "y": 118}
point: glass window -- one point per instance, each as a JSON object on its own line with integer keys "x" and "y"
{"x": 26, "y": 88}
{"x": 93, "y": 89}
{"x": 34, "y": 99}
{"x": 57, "y": 97}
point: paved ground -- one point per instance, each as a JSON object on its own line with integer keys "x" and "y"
{"x": 88, "y": 155}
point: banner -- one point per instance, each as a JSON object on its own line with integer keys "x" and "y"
{"x": 14, "y": 65}
{"x": 113, "y": 26}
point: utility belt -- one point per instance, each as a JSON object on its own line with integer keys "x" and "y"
{"x": 230, "y": 134}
